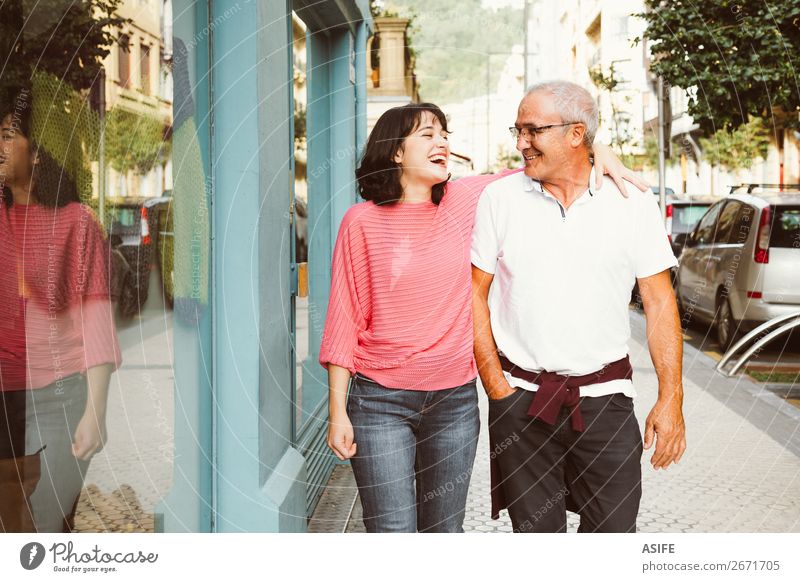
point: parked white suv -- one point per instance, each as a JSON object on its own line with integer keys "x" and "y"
{"x": 740, "y": 266}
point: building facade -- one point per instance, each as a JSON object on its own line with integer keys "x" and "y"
{"x": 579, "y": 39}
{"x": 138, "y": 81}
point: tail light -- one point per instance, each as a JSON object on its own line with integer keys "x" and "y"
{"x": 669, "y": 223}
{"x": 145, "y": 227}
{"x": 761, "y": 254}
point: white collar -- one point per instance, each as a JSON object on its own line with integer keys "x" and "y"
{"x": 531, "y": 184}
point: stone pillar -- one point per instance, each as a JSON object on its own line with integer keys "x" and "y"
{"x": 392, "y": 33}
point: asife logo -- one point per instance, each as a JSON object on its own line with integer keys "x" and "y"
{"x": 31, "y": 555}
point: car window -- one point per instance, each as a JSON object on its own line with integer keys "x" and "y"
{"x": 741, "y": 229}
{"x": 124, "y": 216}
{"x": 684, "y": 218}
{"x": 785, "y": 231}
{"x": 727, "y": 219}
{"x": 705, "y": 230}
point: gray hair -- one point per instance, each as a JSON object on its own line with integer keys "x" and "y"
{"x": 573, "y": 103}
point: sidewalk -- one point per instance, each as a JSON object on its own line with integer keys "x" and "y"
{"x": 740, "y": 472}
{"x": 133, "y": 472}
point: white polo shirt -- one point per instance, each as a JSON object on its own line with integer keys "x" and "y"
{"x": 563, "y": 277}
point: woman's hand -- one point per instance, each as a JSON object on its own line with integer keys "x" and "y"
{"x": 340, "y": 429}
{"x": 340, "y": 436}
{"x": 89, "y": 437}
{"x": 607, "y": 162}
{"x": 90, "y": 434}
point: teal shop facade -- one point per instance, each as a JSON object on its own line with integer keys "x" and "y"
{"x": 250, "y": 398}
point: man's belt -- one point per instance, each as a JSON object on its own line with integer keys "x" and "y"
{"x": 557, "y": 390}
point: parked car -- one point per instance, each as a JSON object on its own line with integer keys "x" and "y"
{"x": 740, "y": 265}
{"x": 760, "y": 188}
{"x": 682, "y": 216}
{"x": 670, "y": 193}
{"x": 122, "y": 285}
{"x": 165, "y": 243}
{"x": 133, "y": 229}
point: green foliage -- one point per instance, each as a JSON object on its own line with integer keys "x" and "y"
{"x": 737, "y": 149}
{"x": 135, "y": 142}
{"x": 66, "y": 39}
{"x": 506, "y": 159}
{"x": 607, "y": 82}
{"x": 622, "y": 137}
{"x": 452, "y": 41}
{"x": 650, "y": 158}
{"x": 65, "y": 126}
{"x": 299, "y": 123}
{"x": 735, "y": 59}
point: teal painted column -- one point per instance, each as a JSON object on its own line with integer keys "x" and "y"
{"x": 361, "y": 87}
{"x": 260, "y": 478}
{"x": 343, "y": 125}
{"x": 187, "y": 506}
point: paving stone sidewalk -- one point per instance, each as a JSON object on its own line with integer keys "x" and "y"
{"x": 740, "y": 472}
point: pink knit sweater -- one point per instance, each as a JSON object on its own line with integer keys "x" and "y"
{"x": 400, "y": 308}
{"x": 56, "y": 317}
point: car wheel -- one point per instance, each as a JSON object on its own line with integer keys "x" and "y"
{"x": 725, "y": 324}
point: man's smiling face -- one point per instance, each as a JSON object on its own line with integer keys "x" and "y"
{"x": 545, "y": 153}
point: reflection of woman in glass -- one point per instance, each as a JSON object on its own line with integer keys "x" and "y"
{"x": 400, "y": 321}
{"x": 58, "y": 346}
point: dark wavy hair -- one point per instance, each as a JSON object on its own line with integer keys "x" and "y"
{"x": 378, "y": 175}
{"x": 52, "y": 185}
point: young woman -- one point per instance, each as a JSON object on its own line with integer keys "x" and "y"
{"x": 58, "y": 346}
{"x": 399, "y": 323}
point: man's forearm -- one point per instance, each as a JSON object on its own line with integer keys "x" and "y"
{"x": 665, "y": 421}
{"x": 485, "y": 349}
{"x": 665, "y": 341}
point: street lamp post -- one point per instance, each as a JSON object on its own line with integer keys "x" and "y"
{"x": 662, "y": 191}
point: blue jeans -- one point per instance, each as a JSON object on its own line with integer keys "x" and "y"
{"x": 414, "y": 455}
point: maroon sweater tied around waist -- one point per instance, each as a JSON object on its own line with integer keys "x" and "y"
{"x": 555, "y": 392}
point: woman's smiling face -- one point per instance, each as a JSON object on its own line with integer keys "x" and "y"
{"x": 15, "y": 158}
{"x": 425, "y": 153}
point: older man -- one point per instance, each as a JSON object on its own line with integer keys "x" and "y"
{"x": 554, "y": 261}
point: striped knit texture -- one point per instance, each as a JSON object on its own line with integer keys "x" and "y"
{"x": 56, "y": 316}
{"x": 400, "y": 308}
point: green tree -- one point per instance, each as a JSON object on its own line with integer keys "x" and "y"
{"x": 506, "y": 159}
{"x": 737, "y": 149}
{"x": 65, "y": 38}
{"x": 452, "y": 41}
{"x": 135, "y": 142}
{"x": 650, "y": 157}
{"x": 622, "y": 137}
{"x": 735, "y": 59}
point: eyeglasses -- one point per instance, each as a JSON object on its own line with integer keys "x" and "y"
{"x": 530, "y": 132}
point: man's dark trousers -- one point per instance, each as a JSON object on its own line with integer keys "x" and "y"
{"x": 547, "y": 469}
